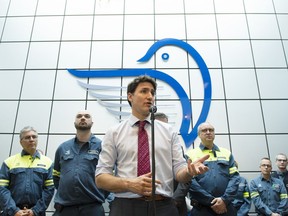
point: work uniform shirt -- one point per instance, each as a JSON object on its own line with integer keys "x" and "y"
{"x": 221, "y": 180}
{"x": 74, "y": 173}
{"x": 268, "y": 196}
{"x": 242, "y": 201}
{"x": 26, "y": 180}
{"x": 282, "y": 176}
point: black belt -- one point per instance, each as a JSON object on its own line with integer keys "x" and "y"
{"x": 157, "y": 197}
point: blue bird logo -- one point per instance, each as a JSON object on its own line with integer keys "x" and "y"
{"x": 187, "y": 136}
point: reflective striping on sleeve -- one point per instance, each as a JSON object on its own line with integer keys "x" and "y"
{"x": 4, "y": 182}
{"x": 233, "y": 170}
{"x": 246, "y": 194}
{"x": 283, "y": 196}
{"x": 49, "y": 182}
{"x": 56, "y": 173}
{"x": 254, "y": 194}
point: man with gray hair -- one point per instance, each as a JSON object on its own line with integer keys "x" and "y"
{"x": 26, "y": 182}
{"x": 282, "y": 172}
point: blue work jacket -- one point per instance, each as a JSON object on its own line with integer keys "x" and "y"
{"x": 26, "y": 180}
{"x": 242, "y": 201}
{"x": 221, "y": 180}
{"x": 74, "y": 173}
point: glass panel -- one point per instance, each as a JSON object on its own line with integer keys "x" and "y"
{"x": 43, "y": 55}
{"x": 77, "y": 28}
{"x": 244, "y": 145}
{"x": 209, "y": 51}
{"x": 277, "y": 144}
{"x": 74, "y": 55}
{"x": 106, "y": 54}
{"x": 283, "y": 23}
{"x": 22, "y": 8}
{"x": 258, "y": 26}
{"x": 259, "y": 6}
{"x": 245, "y": 116}
{"x": 67, "y": 86}
{"x": 176, "y": 26}
{"x": 51, "y": 7}
{"x": 237, "y": 82}
{"x": 139, "y": 27}
{"x": 203, "y": 6}
{"x": 47, "y": 28}
{"x": 281, "y": 6}
{"x": 9, "y": 112}
{"x": 201, "y": 27}
{"x": 34, "y": 113}
{"x": 275, "y": 115}
{"x": 273, "y": 83}
{"x": 13, "y": 55}
{"x": 268, "y": 54}
{"x": 80, "y": 7}
{"x": 40, "y": 89}
{"x": 139, "y": 6}
{"x": 17, "y": 29}
{"x": 113, "y": 33}
{"x": 236, "y": 54}
{"x": 4, "y": 6}
{"x": 168, "y": 6}
{"x": 109, "y": 7}
{"x": 10, "y": 84}
{"x": 224, "y": 6}
{"x": 232, "y": 26}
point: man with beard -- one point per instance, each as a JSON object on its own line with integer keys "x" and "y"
{"x": 74, "y": 169}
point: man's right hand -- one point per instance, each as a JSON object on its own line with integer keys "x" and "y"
{"x": 142, "y": 184}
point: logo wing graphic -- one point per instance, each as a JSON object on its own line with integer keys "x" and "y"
{"x": 187, "y": 136}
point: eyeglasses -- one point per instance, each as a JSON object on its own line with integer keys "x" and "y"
{"x": 29, "y": 137}
{"x": 205, "y": 130}
{"x": 266, "y": 165}
{"x": 281, "y": 160}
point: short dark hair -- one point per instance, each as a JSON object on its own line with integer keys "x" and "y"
{"x": 131, "y": 88}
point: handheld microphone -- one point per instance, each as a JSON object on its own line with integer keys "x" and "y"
{"x": 153, "y": 109}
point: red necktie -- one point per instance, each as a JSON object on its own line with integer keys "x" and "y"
{"x": 143, "y": 150}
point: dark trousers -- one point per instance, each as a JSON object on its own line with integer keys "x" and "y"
{"x": 91, "y": 209}
{"x": 137, "y": 207}
{"x": 207, "y": 211}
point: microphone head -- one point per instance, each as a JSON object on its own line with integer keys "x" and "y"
{"x": 153, "y": 109}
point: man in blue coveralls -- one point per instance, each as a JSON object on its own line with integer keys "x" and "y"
{"x": 74, "y": 171}
{"x": 212, "y": 192}
{"x": 268, "y": 194}
{"x": 26, "y": 182}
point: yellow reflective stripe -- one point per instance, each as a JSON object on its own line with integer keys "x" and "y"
{"x": 283, "y": 196}
{"x": 56, "y": 173}
{"x": 49, "y": 182}
{"x": 246, "y": 194}
{"x": 233, "y": 170}
{"x": 4, "y": 182}
{"x": 254, "y": 194}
